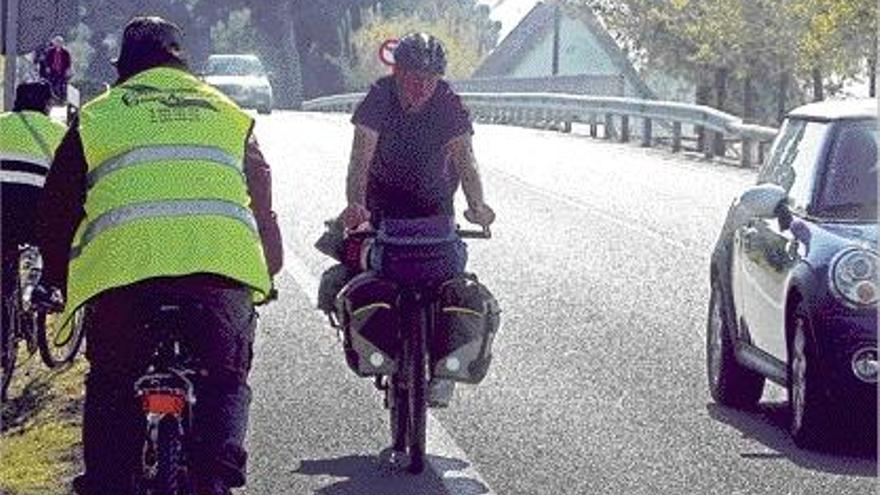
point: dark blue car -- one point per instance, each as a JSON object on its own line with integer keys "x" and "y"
{"x": 794, "y": 277}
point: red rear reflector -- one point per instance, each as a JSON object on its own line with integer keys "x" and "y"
{"x": 163, "y": 403}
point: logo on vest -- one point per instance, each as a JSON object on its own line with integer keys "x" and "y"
{"x": 177, "y": 104}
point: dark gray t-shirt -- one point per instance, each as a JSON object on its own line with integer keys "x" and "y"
{"x": 409, "y": 177}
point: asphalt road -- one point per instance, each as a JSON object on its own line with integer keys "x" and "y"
{"x": 600, "y": 262}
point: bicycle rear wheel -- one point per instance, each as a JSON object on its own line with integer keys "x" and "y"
{"x": 8, "y": 348}
{"x": 59, "y": 344}
{"x": 166, "y": 454}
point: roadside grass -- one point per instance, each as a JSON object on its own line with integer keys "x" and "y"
{"x": 40, "y": 428}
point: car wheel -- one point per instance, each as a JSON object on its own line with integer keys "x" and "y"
{"x": 805, "y": 401}
{"x": 264, "y": 110}
{"x": 729, "y": 382}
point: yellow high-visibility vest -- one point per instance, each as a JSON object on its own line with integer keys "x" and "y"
{"x": 167, "y": 194}
{"x": 32, "y": 138}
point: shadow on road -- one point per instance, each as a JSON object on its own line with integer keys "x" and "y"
{"x": 768, "y": 424}
{"x": 26, "y": 403}
{"x": 366, "y": 475}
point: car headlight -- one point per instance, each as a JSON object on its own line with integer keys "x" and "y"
{"x": 854, "y": 276}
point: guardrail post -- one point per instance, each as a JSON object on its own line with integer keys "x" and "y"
{"x": 718, "y": 144}
{"x": 566, "y": 123}
{"x": 646, "y": 133}
{"x": 746, "y": 152}
{"x": 676, "y": 137}
{"x": 609, "y": 126}
{"x": 705, "y": 144}
{"x": 594, "y": 127}
{"x": 624, "y": 128}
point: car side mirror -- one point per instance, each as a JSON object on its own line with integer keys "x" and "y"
{"x": 762, "y": 201}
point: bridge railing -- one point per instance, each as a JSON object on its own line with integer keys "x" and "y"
{"x": 617, "y": 116}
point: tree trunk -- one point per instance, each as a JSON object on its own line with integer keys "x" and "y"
{"x": 557, "y": 22}
{"x": 748, "y": 98}
{"x": 818, "y": 88}
{"x": 872, "y": 72}
{"x": 276, "y": 23}
{"x": 702, "y": 97}
{"x": 782, "y": 97}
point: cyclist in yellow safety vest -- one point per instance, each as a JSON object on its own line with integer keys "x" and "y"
{"x": 160, "y": 192}
{"x": 28, "y": 139}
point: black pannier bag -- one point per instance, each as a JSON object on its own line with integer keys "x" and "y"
{"x": 466, "y": 320}
{"x": 332, "y": 281}
{"x": 419, "y": 250}
{"x": 367, "y": 308}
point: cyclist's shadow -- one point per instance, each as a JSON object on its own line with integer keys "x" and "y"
{"x": 365, "y": 475}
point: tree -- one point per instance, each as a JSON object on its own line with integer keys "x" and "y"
{"x": 236, "y": 34}
{"x": 464, "y": 28}
{"x": 763, "y": 51}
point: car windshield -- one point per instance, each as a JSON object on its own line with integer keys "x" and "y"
{"x": 849, "y": 188}
{"x": 234, "y": 66}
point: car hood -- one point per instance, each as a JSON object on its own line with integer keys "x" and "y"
{"x": 861, "y": 233}
{"x": 237, "y": 80}
{"x": 825, "y": 239}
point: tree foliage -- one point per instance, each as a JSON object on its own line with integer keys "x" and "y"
{"x": 235, "y": 34}
{"x": 463, "y": 27}
{"x": 787, "y": 50}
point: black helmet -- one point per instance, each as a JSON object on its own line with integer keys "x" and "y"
{"x": 149, "y": 41}
{"x": 32, "y": 96}
{"x": 420, "y": 52}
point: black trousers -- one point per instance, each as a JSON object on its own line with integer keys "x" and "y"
{"x": 219, "y": 336}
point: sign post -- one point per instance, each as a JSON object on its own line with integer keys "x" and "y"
{"x": 11, "y": 53}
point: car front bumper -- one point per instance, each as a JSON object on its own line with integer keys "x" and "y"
{"x": 258, "y": 100}
{"x": 849, "y": 342}
{"x": 248, "y": 98}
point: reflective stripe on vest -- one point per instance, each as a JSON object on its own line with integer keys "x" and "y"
{"x": 156, "y": 209}
{"x": 26, "y": 178}
{"x": 25, "y": 157}
{"x": 150, "y": 154}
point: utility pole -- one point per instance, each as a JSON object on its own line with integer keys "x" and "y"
{"x": 557, "y": 21}
{"x": 11, "y": 53}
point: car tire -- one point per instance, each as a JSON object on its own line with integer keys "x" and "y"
{"x": 807, "y": 406}
{"x": 730, "y": 383}
{"x": 264, "y": 110}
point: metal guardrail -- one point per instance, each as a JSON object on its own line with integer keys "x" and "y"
{"x": 612, "y": 113}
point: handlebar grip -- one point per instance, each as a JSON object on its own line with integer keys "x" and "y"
{"x": 486, "y": 233}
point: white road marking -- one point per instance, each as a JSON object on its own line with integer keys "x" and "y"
{"x": 440, "y": 444}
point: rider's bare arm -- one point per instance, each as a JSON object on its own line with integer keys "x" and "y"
{"x": 461, "y": 152}
{"x": 363, "y": 148}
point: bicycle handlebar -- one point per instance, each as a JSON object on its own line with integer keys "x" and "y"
{"x": 484, "y": 233}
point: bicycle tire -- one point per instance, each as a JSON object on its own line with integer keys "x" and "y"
{"x": 415, "y": 366}
{"x": 69, "y": 346}
{"x": 170, "y": 478}
{"x": 8, "y": 350}
{"x": 399, "y": 413}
